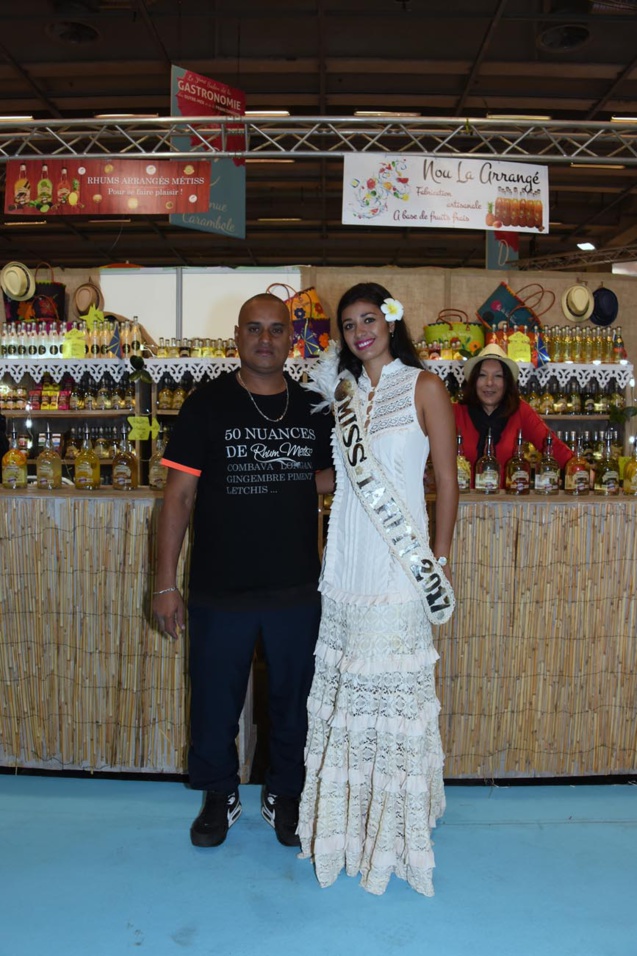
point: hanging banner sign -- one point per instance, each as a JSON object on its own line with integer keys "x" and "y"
{"x": 428, "y": 192}
{"x": 98, "y": 187}
{"x": 194, "y": 95}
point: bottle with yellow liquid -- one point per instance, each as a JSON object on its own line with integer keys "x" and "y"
{"x": 463, "y": 467}
{"x": 125, "y": 468}
{"x": 14, "y": 465}
{"x": 517, "y": 475}
{"x": 48, "y": 466}
{"x": 87, "y": 466}
{"x": 607, "y": 470}
{"x": 157, "y": 473}
{"x": 547, "y": 472}
{"x": 629, "y": 484}
{"x": 577, "y": 472}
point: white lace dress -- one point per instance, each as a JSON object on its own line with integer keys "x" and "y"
{"x": 374, "y": 786}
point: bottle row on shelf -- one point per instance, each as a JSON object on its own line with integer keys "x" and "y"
{"x": 67, "y": 395}
{"x": 84, "y": 459}
{"x": 556, "y": 344}
{"x": 53, "y": 339}
{"x": 551, "y": 398}
{"x": 173, "y": 348}
{"x": 594, "y": 467}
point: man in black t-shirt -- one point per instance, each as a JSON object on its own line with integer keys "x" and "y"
{"x": 244, "y": 455}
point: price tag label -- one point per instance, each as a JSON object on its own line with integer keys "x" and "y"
{"x": 519, "y": 347}
{"x": 74, "y": 344}
{"x": 142, "y": 428}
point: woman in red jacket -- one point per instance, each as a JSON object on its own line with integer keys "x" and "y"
{"x": 490, "y": 400}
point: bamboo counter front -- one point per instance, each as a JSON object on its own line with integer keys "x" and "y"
{"x": 538, "y": 668}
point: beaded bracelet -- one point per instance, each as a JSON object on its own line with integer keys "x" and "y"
{"x": 165, "y": 591}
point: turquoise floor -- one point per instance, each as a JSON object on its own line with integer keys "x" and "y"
{"x": 105, "y": 867}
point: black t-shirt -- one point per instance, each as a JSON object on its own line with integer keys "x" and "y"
{"x": 4, "y": 441}
{"x": 255, "y": 520}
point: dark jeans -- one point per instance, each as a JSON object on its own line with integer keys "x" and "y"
{"x": 221, "y": 648}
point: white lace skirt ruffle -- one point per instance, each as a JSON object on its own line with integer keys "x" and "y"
{"x": 374, "y": 785}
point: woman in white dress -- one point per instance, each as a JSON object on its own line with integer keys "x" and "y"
{"x": 374, "y": 760}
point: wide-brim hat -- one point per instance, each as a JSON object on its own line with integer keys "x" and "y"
{"x": 86, "y": 295}
{"x": 606, "y": 306}
{"x": 17, "y": 282}
{"x": 578, "y": 303}
{"x": 491, "y": 351}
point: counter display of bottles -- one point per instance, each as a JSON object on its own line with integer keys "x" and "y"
{"x": 592, "y": 468}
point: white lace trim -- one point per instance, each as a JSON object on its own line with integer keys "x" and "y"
{"x": 374, "y": 785}
{"x": 393, "y": 402}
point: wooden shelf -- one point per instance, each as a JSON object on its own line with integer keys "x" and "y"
{"x": 75, "y": 413}
{"x": 575, "y": 418}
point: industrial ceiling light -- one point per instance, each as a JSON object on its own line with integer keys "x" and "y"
{"x": 536, "y": 118}
{"x": 266, "y": 114}
{"x": 15, "y": 119}
{"x": 125, "y": 115}
{"x": 586, "y": 246}
{"x": 386, "y": 113}
{"x": 623, "y": 119}
{"x": 597, "y": 166}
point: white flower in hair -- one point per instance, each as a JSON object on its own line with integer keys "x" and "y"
{"x": 393, "y": 310}
{"x": 324, "y": 375}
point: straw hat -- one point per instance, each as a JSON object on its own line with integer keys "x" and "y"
{"x": 578, "y": 303}
{"x": 87, "y": 295}
{"x": 606, "y": 306}
{"x": 17, "y": 282}
{"x": 491, "y": 351}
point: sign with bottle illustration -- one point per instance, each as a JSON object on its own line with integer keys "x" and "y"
{"x": 194, "y": 95}
{"x": 105, "y": 187}
{"x": 430, "y": 192}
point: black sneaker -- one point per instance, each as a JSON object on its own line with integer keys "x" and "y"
{"x": 282, "y": 813}
{"x": 219, "y": 812}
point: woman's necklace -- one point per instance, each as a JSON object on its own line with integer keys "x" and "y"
{"x": 262, "y": 414}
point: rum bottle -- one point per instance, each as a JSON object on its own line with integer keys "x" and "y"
{"x": 14, "y": 465}
{"x": 517, "y": 475}
{"x": 48, "y": 466}
{"x": 125, "y": 470}
{"x": 463, "y": 466}
{"x": 577, "y": 472}
{"x": 87, "y": 466}
{"x": 157, "y": 473}
{"x": 488, "y": 470}
{"x": 547, "y": 472}
{"x": 629, "y": 486}
{"x": 607, "y": 470}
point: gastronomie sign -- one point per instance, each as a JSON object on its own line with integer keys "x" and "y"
{"x": 194, "y": 95}
{"x": 382, "y": 189}
{"x": 96, "y": 187}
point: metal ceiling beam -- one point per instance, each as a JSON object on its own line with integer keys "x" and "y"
{"x": 556, "y": 142}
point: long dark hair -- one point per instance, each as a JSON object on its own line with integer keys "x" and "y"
{"x": 400, "y": 344}
{"x": 510, "y": 400}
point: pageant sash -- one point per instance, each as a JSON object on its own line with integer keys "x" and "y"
{"x": 390, "y": 517}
